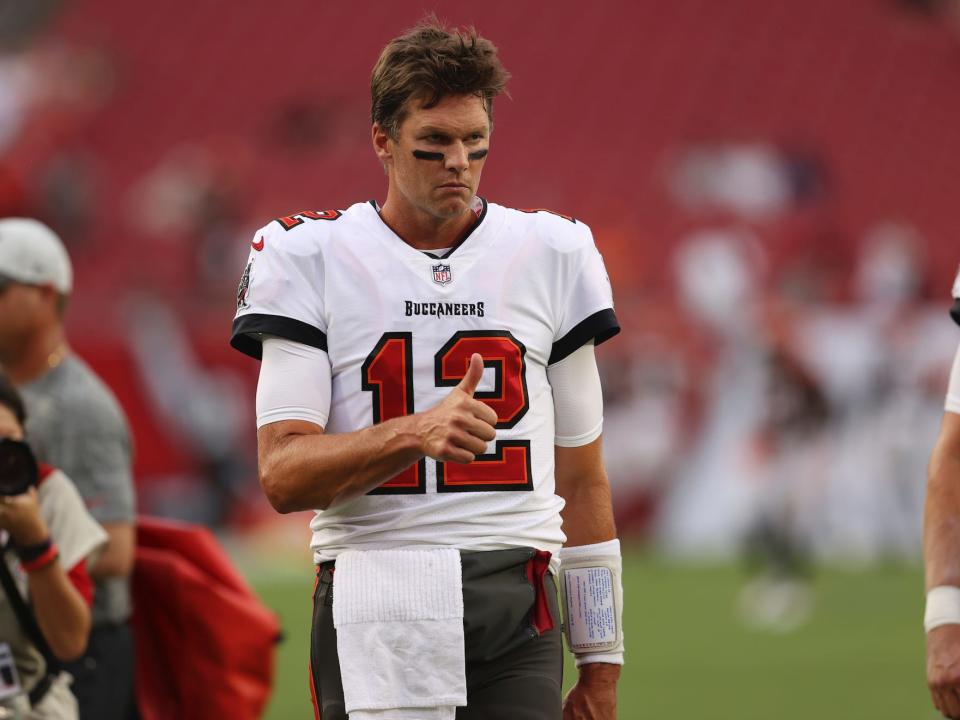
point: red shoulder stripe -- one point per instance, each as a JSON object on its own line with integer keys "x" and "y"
{"x": 81, "y": 580}
{"x": 45, "y": 471}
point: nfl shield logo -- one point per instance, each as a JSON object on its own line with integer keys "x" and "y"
{"x": 441, "y": 274}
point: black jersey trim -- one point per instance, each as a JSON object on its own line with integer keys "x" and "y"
{"x": 247, "y": 327}
{"x": 473, "y": 228}
{"x": 599, "y": 327}
{"x": 955, "y": 311}
{"x": 483, "y": 214}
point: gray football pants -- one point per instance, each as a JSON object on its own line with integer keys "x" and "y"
{"x": 514, "y": 664}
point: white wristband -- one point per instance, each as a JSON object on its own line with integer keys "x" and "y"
{"x": 592, "y": 592}
{"x": 614, "y": 658}
{"x": 943, "y": 607}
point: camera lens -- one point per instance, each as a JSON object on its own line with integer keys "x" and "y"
{"x": 18, "y": 467}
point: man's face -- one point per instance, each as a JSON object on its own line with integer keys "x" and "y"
{"x": 437, "y": 157}
{"x": 21, "y": 308}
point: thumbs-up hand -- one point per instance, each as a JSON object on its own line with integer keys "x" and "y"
{"x": 473, "y": 376}
{"x": 459, "y": 427}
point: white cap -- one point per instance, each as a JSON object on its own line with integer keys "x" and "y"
{"x": 31, "y": 253}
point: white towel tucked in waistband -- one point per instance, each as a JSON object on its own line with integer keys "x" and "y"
{"x": 399, "y": 621}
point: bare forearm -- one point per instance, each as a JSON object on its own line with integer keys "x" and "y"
{"x": 588, "y": 516}
{"x": 61, "y": 612}
{"x": 588, "y": 519}
{"x": 315, "y": 471}
{"x": 582, "y": 482}
{"x": 941, "y": 522}
{"x": 301, "y": 468}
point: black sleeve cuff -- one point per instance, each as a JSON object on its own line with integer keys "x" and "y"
{"x": 247, "y": 327}
{"x": 955, "y": 311}
{"x": 599, "y": 327}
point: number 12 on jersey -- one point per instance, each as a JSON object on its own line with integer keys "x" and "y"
{"x": 388, "y": 374}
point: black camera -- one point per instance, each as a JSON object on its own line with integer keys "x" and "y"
{"x": 18, "y": 467}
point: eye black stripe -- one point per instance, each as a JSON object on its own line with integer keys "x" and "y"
{"x": 424, "y": 155}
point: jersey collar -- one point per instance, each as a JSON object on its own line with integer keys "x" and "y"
{"x": 479, "y": 209}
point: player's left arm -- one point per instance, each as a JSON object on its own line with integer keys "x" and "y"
{"x": 581, "y": 480}
{"x": 588, "y": 520}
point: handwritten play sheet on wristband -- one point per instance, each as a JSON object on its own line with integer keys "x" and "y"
{"x": 592, "y": 618}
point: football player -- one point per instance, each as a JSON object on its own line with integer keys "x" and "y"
{"x": 428, "y": 379}
{"x": 941, "y": 550}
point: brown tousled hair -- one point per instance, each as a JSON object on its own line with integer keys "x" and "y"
{"x": 431, "y": 62}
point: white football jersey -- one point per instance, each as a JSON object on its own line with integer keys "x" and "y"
{"x": 955, "y": 310}
{"x": 524, "y": 289}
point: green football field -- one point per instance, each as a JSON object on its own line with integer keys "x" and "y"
{"x": 859, "y": 656}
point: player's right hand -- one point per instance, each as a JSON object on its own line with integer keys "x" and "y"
{"x": 943, "y": 669}
{"x": 459, "y": 427}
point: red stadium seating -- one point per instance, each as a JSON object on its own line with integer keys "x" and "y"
{"x": 602, "y": 93}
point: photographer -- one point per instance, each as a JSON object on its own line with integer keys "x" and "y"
{"x": 77, "y": 425}
{"x": 47, "y": 539}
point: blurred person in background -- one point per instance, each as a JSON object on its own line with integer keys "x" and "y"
{"x": 792, "y": 461}
{"x": 203, "y": 406}
{"x": 48, "y": 537}
{"x": 718, "y": 276}
{"x": 941, "y": 550}
{"x": 77, "y": 425}
{"x": 873, "y": 356}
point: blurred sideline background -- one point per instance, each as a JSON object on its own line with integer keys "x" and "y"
{"x": 772, "y": 185}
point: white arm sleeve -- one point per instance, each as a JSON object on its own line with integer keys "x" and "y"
{"x": 295, "y": 383}
{"x": 577, "y": 398}
{"x": 953, "y": 390}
